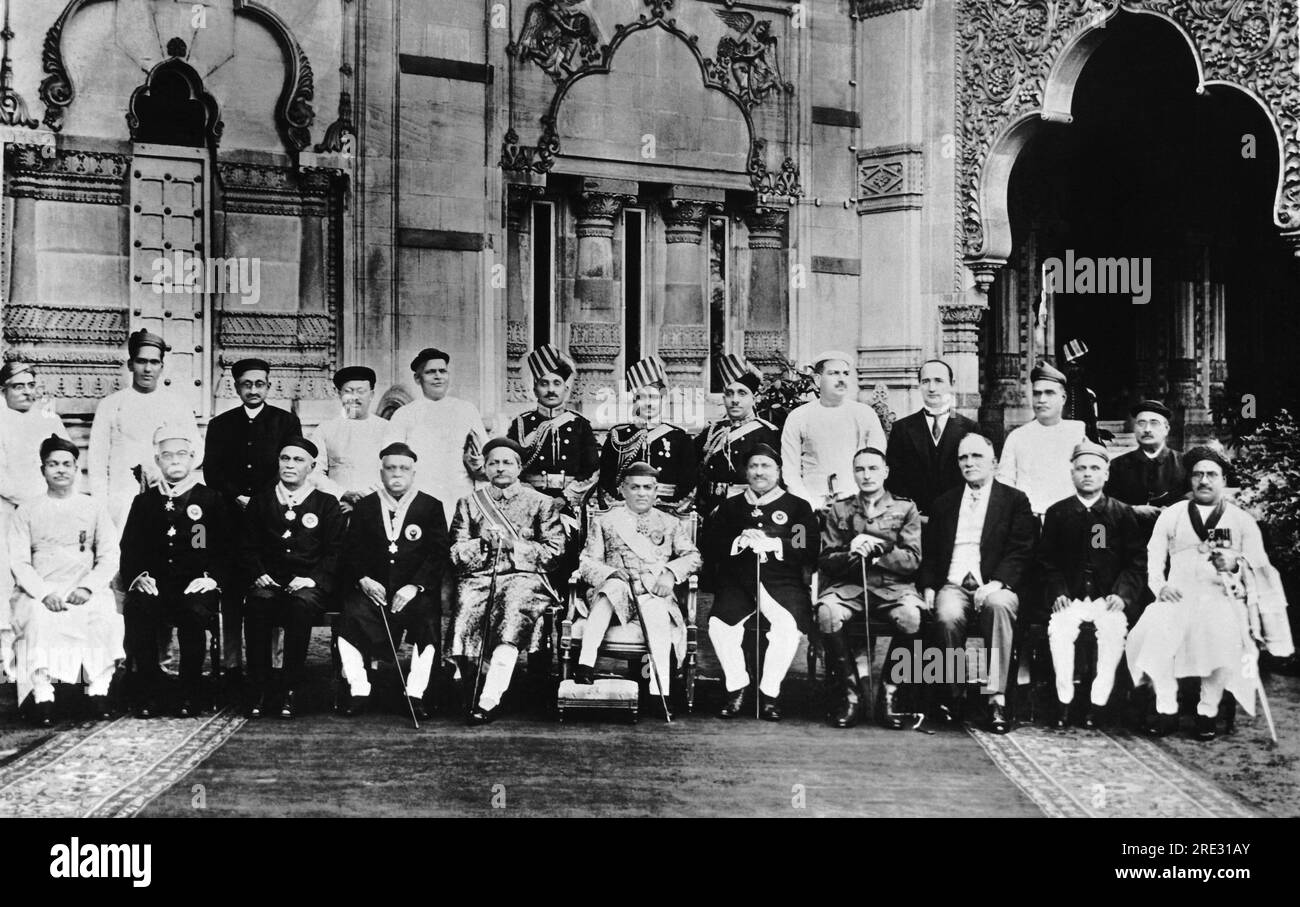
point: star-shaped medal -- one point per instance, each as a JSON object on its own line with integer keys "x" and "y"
{"x": 289, "y": 514}
{"x": 171, "y": 530}
{"x": 286, "y": 535}
{"x": 169, "y": 505}
{"x": 392, "y": 547}
{"x": 756, "y": 512}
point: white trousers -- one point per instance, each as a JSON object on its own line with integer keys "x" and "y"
{"x": 1062, "y": 631}
{"x": 354, "y": 670}
{"x": 1212, "y": 687}
{"x": 43, "y": 687}
{"x": 658, "y": 626}
{"x": 782, "y": 642}
{"x": 500, "y": 670}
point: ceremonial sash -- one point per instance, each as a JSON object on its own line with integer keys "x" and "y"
{"x": 493, "y": 516}
{"x": 1202, "y": 529}
{"x": 623, "y": 522}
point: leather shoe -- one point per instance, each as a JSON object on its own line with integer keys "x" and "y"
{"x": 480, "y": 715}
{"x": 355, "y": 705}
{"x": 286, "y": 705}
{"x": 417, "y": 706}
{"x": 186, "y": 709}
{"x": 1205, "y": 727}
{"x": 584, "y": 674}
{"x": 146, "y": 709}
{"x": 98, "y": 706}
{"x": 257, "y": 706}
{"x": 1061, "y": 717}
{"x": 43, "y": 714}
{"x": 889, "y": 718}
{"x": 1092, "y": 717}
{"x": 768, "y": 708}
{"x": 998, "y": 722}
{"x": 1161, "y": 725}
{"x": 734, "y": 703}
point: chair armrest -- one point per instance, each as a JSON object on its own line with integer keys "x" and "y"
{"x": 692, "y": 593}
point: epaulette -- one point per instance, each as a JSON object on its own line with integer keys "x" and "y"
{"x": 766, "y": 423}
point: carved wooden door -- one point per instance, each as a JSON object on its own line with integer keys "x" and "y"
{"x": 170, "y": 291}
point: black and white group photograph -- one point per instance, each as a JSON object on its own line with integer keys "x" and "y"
{"x": 870, "y": 409}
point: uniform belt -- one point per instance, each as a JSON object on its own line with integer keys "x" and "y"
{"x": 550, "y": 480}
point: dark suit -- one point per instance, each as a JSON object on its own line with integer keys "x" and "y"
{"x": 420, "y": 560}
{"x": 306, "y": 546}
{"x": 918, "y": 468}
{"x": 241, "y": 456}
{"x": 175, "y": 547}
{"x": 1006, "y": 550}
{"x": 1138, "y": 480}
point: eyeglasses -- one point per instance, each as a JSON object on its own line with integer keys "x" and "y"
{"x": 254, "y": 385}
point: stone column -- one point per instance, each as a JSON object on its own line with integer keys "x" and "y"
{"x": 519, "y": 287}
{"x": 684, "y": 331}
{"x": 767, "y": 320}
{"x": 594, "y": 313}
{"x": 961, "y": 331}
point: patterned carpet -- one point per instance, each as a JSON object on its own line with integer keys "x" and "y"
{"x": 109, "y": 769}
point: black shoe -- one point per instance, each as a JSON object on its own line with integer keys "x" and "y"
{"x": 286, "y": 705}
{"x": 1161, "y": 725}
{"x": 841, "y": 665}
{"x": 734, "y": 704}
{"x": 998, "y": 722}
{"x": 146, "y": 709}
{"x": 1061, "y": 717}
{"x": 1093, "y": 716}
{"x": 584, "y": 674}
{"x": 354, "y": 705}
{"x": 98, "y": 706}
{"x": 1205, "y": 727}
{"x": 889, "y": 718}
{"x": 768, "y": 709}
{"x": 43, "y": 714}
{"x": 187, "y": 708}
{"x": 480, "y": 715}
{"x": 257, "y": 705}
{"x": 417, "y": 707}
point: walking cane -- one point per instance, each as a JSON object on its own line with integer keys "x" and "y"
{"x": 486, "y": 630}
{"x": 759, "y": 557}
{"x": 866, "y": 623}
{"x": 383, "y": 613}
{"x": 659, "y": 678}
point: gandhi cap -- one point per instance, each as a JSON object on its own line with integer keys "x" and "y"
{"x": 353, "y": 373}
{"x": 1086, "y": 447}
{"x": 1045, "y": 371}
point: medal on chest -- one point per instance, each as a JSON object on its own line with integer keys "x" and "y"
{"x": 169, "y": 506}
{"x": 392, "y": 547}
{"x": 290, "y": 515}
{"x": 171, "y": 531}
{"x": 756, "y": 512}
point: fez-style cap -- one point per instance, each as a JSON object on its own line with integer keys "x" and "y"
{"x": 398, "y": 449}
{"x": 427, "y": 354}
{"x": 13, "y": 369}
{"x": 1045, "y": 371}
{"x": 1075, "y": 350}
{"x": 1197, "y": 454}
{"x": 735, "y": 370}
{"x": 55, "y": 443}
{"x": 649, "y": 371}
{"x": 302, "y": 443}
{"x": 828, "y": 355}
{"x": 1151, "y": 406}
{"x": 145, "y": 338}
{"x": 502, "y": 442}
{"x": 1086, "y": 447}
{"x": 170, "y": 431}
{"x": 548, "y": 360}
{"x": 249, "y": 365}
{"x": 763, "y": 450}
{"x": 641, "y": 468}
{"x": 353, "y": 373}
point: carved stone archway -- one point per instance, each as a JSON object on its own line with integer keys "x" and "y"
{"x": 1021, "y": 61}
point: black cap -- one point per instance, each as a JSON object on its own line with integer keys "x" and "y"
{"x": 763, "y": 450}
{"x": 640, "y": 468}
{"x": 249, "y": 365}
{"x": 502, "y": 442}
{"x": 54, "y": 442}
{"x": 302, "y": 443}
{"x": 1151, "y": 406}
{"x": 353, "y": 373}
{"x": 145, "y": 338}
{"x": 1197, "y": 454}
{"x": 398, "y": 449}
{"x": 426, "y": 354}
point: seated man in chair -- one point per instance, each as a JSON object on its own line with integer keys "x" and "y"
{"x": 634, "y": 558}
{"x": 505, "y": 537}
{"x": 884, "y": 531}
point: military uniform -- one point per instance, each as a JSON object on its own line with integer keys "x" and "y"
{"x": 720, "y": 451}
{"x": 665, "y": 447}
{"x": 890, "y": 578}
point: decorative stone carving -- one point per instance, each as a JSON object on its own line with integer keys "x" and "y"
{"x": 13, "y": 109}
{"x": 961, "y": 324}
{"x": 784, "y": 182}
{"x": 766, "y": 227}
{"x": 93, "y": 177}
{"x": 867, "y": 9}
{"x": 42, "y": 324}
{"x": 146, "y": 126}
{"x": 595, "y": 342}
{"x": 342, "y": 133}
{"x": 596, "y": 213}
{"x": 559, "y": 40}
{"x": 767, "y": 349}
{"x": 263, "y": 189}
{"x": 298, "y": 345}
{"x": 878, "y": 400}
{"x": 516, "y": 350}
{"x": 748, "y": 60}
{"x": 684, "y": 220}
{"x": 890, "y": 178}
{"x": 1009, "y": 47}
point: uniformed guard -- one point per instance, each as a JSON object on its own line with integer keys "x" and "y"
{"x": 762, "y": 541}
{"x": 885, "y": 532}
{"x": 392, "y": 566}
{"x": 176, "y": 560}
{"x": 721, "y": 448}
{"x": 647, "y": 439}
{"x": 292, "y": 536}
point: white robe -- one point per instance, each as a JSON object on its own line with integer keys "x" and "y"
{"x": 48, "y": 554}
{"x": 1207, "y": 630}
{"x": 437, "y": 431}
{"x": 349, "y": 454}
{"x": 21, "y": 435}
{"x": 121, "y": 437}
{"x": 818, "y": 442}
{"x": 1036, "y": 459}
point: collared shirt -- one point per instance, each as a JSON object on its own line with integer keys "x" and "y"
{"x": 940, "y": 419}
{"x": 254, "y": 413}
{"x": 1087, "y": 504}
{"x": 970, "y": 528}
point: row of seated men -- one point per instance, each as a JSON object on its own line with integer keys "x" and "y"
{"x": 557, "y": 444}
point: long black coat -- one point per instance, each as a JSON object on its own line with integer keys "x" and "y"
{"x": 422, "y": 545}
{"x": 202, "y": 540}
{"x": 241, "y": 457}
{"x": 283, "y": 548}
{"x": 1006, "y": 543}
{"x": 918, "y": 469}
{"x": 1107, "y": 546}
{"x": 789, "y": 518}
{"x": 1137, "y": 479}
